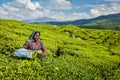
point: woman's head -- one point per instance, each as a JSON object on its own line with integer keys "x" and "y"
{"x": 35, "y": 35}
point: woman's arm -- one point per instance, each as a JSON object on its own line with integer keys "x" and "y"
{"x": 43, "y": 48}
{"x": 26, "y": 45}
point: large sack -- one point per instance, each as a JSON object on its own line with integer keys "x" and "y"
{"x": 22, "y": 52}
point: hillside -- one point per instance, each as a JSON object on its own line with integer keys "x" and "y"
{"x": 72, "y": 53}
{"x": 111, "y": 22}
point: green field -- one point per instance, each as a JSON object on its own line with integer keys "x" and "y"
{"x": 72, "y": 53}
{"x": 111, "y": 24}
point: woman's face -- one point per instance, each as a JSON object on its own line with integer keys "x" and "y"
{"x": 37, "y": 36}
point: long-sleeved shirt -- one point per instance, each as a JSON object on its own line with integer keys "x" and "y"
{"x": 32, "y": 45}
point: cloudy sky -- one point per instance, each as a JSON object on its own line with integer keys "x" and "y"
{"x": 57, "y": 9}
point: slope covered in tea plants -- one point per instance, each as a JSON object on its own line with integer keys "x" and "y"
{"x": 72, "y": 53}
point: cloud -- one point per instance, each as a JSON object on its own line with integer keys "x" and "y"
{"x": 73, "y": 16}
{"x": 104, "y": 9}
{"x": 21, "y": 9}
{"x": 29, "y": 4}
{"x": 79, "y": 15}
{"x": 57, "y": 4}
{"x": 9, "y": 8}
{"x": 2, "y": 11}
{"x": 113, "y": 0}
{"x": 26, "y": 9}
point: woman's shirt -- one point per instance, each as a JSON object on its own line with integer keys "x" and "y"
{"x": 32, "y": 45}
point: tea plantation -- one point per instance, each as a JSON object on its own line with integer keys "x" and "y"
{"x": 72, "y": 53}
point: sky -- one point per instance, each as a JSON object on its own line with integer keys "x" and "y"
{"x": 61, "y": 10}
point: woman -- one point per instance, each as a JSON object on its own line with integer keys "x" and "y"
{"x": 34, "y": 43}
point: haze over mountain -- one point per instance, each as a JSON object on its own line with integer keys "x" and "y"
{"x": 85, "y": 21}
{"x": 111, "y": 21}
{"x": 39, "y": 20}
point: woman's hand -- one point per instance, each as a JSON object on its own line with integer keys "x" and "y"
{"x": 44, "y": 55}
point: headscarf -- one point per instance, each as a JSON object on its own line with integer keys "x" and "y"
{"x": 32, "y": 35}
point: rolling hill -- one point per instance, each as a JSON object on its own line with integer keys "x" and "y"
{"x": 73, "y": 53}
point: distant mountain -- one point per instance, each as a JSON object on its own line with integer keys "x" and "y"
{"x": 85, "y": 21}
{"x": 39, "y": 20}
{"x": 111, "y": 21}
